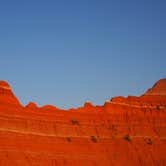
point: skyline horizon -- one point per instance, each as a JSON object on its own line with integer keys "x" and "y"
{"x": 8, "y": 86}
{"x": 66, "y": 52}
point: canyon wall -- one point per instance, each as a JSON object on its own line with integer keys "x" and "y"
{"x": 124, "y": 131}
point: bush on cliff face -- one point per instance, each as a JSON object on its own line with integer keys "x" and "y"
{"x": 148, "y": 141}
{"x": 75, "y": 122}
{"x": 127, "y": 137}
{"x": 94, "y": 139}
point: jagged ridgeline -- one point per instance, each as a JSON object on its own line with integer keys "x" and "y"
{"x": 123, "y": 131}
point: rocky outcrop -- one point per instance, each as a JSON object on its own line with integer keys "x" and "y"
{"x": 124, "y": 131}
{"x": 31, "y": 105}
{"x": 158, "y": 89}
{"x": 6, "y": 94}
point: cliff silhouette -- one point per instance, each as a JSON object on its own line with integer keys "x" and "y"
{"x": 125, "y": 131}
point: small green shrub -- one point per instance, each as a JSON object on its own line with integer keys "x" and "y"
{"x": 127, "y": 137}
{"x": 75, "y": 122}
{"x": 94, "y": 139}
{"x": 148, "y": 141}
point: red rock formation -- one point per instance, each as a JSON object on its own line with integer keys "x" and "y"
{"x": 158, "y": 89}
{"x": 31, "y": 105}
{"x": 124, "y": 131}
{"x": 6, "y": 94}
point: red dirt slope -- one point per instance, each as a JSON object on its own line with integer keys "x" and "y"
{"x": 123, "y": 132}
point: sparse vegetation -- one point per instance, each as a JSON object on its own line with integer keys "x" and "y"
{"x": 68, "y": 139}
{"x": 94, "y": 138}
{"x": 127, "y": 137}
{"x": 148, "y": 141}
{"x": 75, "y": 122}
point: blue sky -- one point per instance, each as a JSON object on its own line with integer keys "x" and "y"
{"x": 63, "y": 52}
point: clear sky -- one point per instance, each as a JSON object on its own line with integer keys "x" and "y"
{"x": 63, "y": 52}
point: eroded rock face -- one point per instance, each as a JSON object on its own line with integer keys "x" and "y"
{"x": 6, "y": 94}
{"x": 159, "y": 88}
{"x": 124, "y": 131}
{"x": 31, "y": 105}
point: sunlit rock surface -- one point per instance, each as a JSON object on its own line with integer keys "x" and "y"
{"x": 123, "y": 132}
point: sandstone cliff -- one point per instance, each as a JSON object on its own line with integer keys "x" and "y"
{"x": 123, "y": 132}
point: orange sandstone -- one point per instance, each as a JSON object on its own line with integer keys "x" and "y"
{"x": 124, "y": 131}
